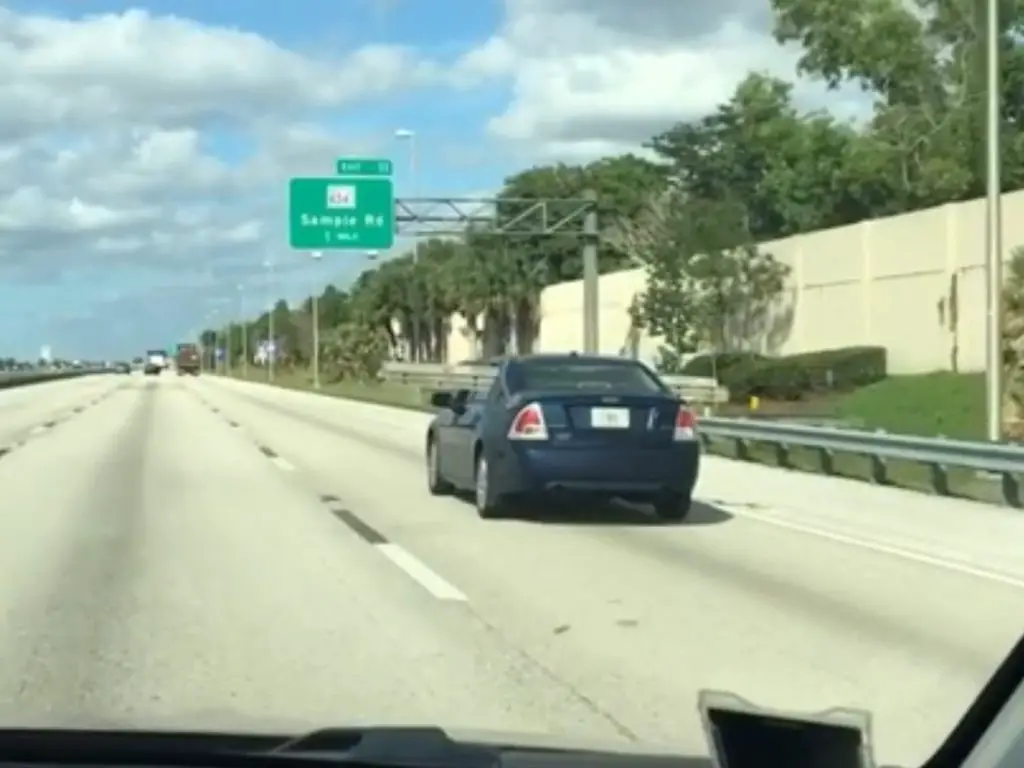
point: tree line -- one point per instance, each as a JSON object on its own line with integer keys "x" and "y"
{"x": 693, "y": 211}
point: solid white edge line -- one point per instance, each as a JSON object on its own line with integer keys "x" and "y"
{"x": 419, "y": 572}
{"x": 886, "y": 549}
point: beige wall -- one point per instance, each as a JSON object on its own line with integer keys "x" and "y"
{"x": 885, "y": 282}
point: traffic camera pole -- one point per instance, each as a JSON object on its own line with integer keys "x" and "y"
{"x": 315, "y": 309}
{"x": 271, "y": 346}
{"x": 316, "y": 341}
{"x": 227, "y": 350}
{"x": 591, "y": 278}
{"x": 244, "y": 331}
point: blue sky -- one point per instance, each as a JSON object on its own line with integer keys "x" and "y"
{"x": 145, "y": 150}
{"x": 103, "y": 309}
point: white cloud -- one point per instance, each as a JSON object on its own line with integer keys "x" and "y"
{"x": 596, "y": 77}
{"x": 106, "y": 124}
{"x": 110, "y": 70}
{"x": 159, "y": 142}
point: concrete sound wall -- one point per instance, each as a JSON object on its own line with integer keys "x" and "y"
{"x": 888, "y": 282}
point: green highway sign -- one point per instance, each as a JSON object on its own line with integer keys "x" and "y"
{"x": 364, "y": 166}
{"x": 341, "y": 213}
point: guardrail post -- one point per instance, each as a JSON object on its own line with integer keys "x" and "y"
{"x": 1010, "y": 487}
{"x": 939, "y": 475}
{"x": 782, "y": 456}
{"x": 826, "y": 461}
{"x": 878, "y": 468}
{"x": 743, "y": 450}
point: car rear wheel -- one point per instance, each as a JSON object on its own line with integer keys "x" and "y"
{"x": 673, "y": 508}
{"x": 488, "y": 504}
{"x": 436, "y": 484}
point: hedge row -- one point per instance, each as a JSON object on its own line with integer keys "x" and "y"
{"x": 792, "y": 377}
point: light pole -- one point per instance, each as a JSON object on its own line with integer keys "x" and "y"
{"x": 994, "y": 234}
{"x": 227, "y": 348}
{"x": 245, "y": 331}
{"x": 271, "y": 342}
{"x": 316, "y": 255}
{"x": 404, "y": 134}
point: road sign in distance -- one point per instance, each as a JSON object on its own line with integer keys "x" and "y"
{"x": 341, "y": 213}
{"x": 364, "y": 166}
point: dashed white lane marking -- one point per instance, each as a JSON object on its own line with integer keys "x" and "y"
{"x": 882, "y": 548}
{"x": 38, "y": 429}
{"x": 421, "y": 573}
{"x": 283, "y": 464}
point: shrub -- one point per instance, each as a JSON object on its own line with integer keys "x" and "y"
{"x": 794, "y": 377}
{"x": 708, "y": 365}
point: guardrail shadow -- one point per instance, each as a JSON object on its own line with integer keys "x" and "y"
{"x": 616, "y": 513}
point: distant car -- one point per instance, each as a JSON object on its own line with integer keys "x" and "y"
{"x": 122, "y": 368}
{"x": 566, "y": 425}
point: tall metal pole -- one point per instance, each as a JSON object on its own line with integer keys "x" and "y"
{"x": 591, "y": 280}
{"x": 993, "y": 233}
{"x": 317, "y": 255}
{"x": 271, "y": 341}
{"x": 227, "y": 348}
{"x": 245, "y": 331}
{"x": 410, "y": 136}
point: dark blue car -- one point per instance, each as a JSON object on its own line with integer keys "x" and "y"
{"x": 565, "y": 425}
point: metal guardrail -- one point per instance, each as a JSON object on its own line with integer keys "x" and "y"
{"x": 695, "y": 389}
{"x": 938, "y": 454}
{"x": 11, "y": 379}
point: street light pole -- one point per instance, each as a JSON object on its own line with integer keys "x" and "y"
{"x": 317, "y": 255}
{"x": 271, "y": 342}
{"x": 993, "y": 233}
{"x": 404, "y": 134}
{"x": 245, "y": 332}
{"x": 227, "y": 348}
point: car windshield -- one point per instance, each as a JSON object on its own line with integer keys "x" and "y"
{"x": 732, "y": 287}
{"x": 579, "y": 375}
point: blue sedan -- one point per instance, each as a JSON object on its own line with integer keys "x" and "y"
{"x": 565, "y": 426}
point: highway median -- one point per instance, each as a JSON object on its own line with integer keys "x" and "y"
{"x": 13, "y": 379}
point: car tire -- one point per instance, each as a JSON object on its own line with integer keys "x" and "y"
{"x": 673, "y": 508}
{"x": 436, "y": 484}
{"x": 489, "y": 505}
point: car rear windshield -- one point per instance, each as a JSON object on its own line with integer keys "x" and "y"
{"x": 582, "y": 376}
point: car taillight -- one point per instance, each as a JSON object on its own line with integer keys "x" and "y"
{"x": 686, "y": 425}
{"x": 529, "y": 424}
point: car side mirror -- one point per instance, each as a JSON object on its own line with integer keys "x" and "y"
{"x": 459, "y": 401}
{"x": 441, "y": 399}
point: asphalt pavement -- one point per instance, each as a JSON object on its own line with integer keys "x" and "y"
{"x": 179, "y": 552}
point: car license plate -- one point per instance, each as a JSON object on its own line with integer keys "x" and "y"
{"x": 609, "y": 418}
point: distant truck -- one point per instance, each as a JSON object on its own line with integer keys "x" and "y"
{"x": 156, "y": 361}
{"x": 188, "y": 360}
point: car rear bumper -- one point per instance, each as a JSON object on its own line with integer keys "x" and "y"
{"x": 636, "y": 473}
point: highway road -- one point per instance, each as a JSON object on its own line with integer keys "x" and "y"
{"x": 202, "y": 552}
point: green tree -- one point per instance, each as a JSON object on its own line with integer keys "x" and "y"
{"x": 705, "y": 275}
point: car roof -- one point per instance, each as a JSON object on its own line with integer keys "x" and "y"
{"x": 572, "y": 357}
